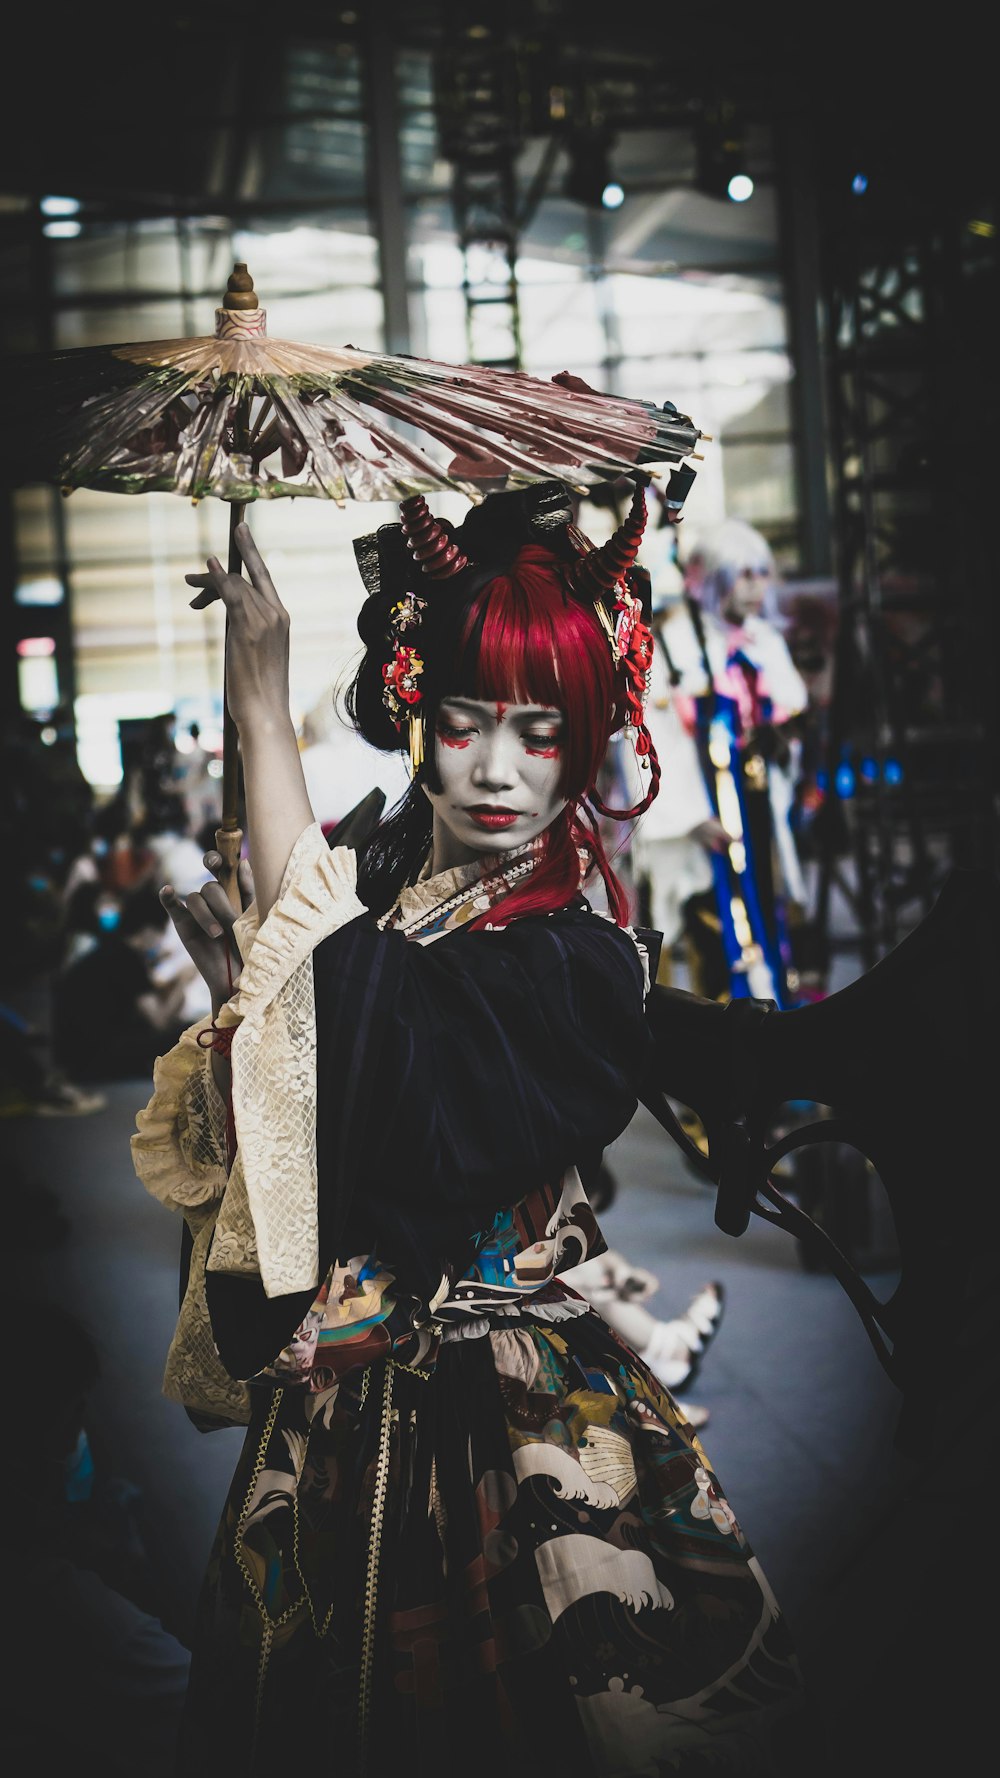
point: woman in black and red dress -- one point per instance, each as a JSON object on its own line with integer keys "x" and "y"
{"x": 469, "y": 1528}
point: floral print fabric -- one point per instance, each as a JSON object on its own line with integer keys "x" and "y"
{"x": 482, "y": 1532}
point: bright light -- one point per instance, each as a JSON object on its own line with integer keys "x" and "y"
{"x": 38, "y": 683}
{"x": 612, "y": 196}
{"x": 859, "y": 184}
{"x": 215, "y": 768}
{"x": 61, "y": 231}
{"x": 740, "y": 188}
{"x": 49, "y": 736}
{"x": 46, "y": 590}
{"x": 59, "y": 206}
{"x": 30, "y": 646}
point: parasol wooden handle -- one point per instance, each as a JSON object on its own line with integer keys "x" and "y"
{"x": 229, "y": 836}
{"x": 229, "y": 844}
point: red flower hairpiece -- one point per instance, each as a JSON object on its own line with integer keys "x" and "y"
{"x": 400, "y": 674}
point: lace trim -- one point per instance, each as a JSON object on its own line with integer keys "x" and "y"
{"x": 274, "y": 1183}
{"x": 194, "y": 1374}
{"x": 179, "y": 1145}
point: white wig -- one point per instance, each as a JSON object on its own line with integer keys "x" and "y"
{"x": 721, "y": 554}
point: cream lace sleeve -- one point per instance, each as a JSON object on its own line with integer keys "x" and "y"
{"x": 179, "y": 1153}
{"x": 269, "y": 1219}
{"x": 262, "y": 1219}
{"x": 179, "y": 1146}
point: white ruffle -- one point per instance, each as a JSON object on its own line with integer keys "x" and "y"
{"x": 269, "y": 1220}
{"x": 262, "y": 1218}
{"x": 179, "y": 1145}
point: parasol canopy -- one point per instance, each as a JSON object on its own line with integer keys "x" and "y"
{"x": 242, "y": 417}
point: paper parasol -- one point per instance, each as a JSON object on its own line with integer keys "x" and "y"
{"x": 243, "y": 417}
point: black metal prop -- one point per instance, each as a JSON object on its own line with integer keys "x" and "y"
{"x": 901, "y": 1058}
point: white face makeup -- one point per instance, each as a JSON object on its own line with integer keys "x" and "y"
{"x": 499, "y": 767}
{"x": 746, "y": 596}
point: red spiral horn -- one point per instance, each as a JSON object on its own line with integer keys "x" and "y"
{"x": 428, "y": 541}
{"x": 600, "y": 570}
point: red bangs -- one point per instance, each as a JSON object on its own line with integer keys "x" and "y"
{"x": 529, "y": 641}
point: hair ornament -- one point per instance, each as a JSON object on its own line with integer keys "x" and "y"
{"x": 600, "y": 570}
{"x": 400, "y": 674}
{"x": 429, "y": 543}
{"x": 605, "y": 571}
{"x": 405, "y": 614}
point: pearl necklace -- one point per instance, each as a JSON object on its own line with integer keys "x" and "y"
{"x": 477, "y": 893}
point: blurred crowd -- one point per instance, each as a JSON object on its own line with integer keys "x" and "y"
{"x": 94, "y": 984}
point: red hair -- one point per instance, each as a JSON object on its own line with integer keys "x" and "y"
{"x": 528, "y": 640}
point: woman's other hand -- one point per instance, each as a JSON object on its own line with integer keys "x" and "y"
{"x": 257, "y": 636}
{"x": 204, "y": 923}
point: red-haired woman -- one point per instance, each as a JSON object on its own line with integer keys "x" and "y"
{"x": 470, "y": 1530}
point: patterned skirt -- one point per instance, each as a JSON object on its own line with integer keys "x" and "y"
{"x": 519, "y": 1562}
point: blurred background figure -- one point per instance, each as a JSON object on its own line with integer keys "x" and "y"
{"x": 340, "y": 768}
{"x": 197, "y": 784}
{"x": 111, "y": 1017}
{"x": 716, "y": 853}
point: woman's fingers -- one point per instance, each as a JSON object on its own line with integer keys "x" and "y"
{"x": 191, "y": 917}
{"x": 209, "y": 591}
{"x": 254, "y": 563}
{"x": 244, "y": 878}
{"x": 234, "y": 589}
{"x": 219, "y": 905}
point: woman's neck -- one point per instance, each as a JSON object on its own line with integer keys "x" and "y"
{"x": 447, "y": 852}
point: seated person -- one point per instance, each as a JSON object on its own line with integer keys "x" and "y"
{"x": 110, "y": 1018}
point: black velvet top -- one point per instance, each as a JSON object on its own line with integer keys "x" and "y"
{"x": 454, "y": 1078}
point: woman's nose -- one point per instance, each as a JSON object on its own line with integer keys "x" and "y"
{"x": 496, "y": 767}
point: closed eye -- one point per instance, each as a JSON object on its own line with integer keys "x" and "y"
{"x": 453, "y": 736}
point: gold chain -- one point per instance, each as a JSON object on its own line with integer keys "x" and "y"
{"x": 374, "y": 1554}
{"x": 270, "y": 1624}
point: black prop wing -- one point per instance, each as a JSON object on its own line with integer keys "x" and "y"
{"x": 901, "y": 1059}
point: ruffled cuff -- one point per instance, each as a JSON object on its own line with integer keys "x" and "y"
{"x": 274, "y": 1071}
{"x": 179, "y": 1145}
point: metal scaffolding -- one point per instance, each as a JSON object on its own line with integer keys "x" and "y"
{"x": 479, "y": 98}
{"x": 911, "y": 740}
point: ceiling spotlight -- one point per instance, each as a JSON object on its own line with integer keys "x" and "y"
{"x": 859, "y": 184}
{"x": 59, "y": 206}
{"x": 740, "y": 188}
{"x": 61, "y": 231}
{"x": 612, "y": 197}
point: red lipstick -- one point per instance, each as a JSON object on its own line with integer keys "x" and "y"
{"x": 486, "y": 815}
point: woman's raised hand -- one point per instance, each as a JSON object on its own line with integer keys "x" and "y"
{"x": 257, "y": 635}
{"x": 204, "y": 923}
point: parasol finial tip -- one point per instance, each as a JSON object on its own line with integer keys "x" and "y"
{"x": 240, "y": 293}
